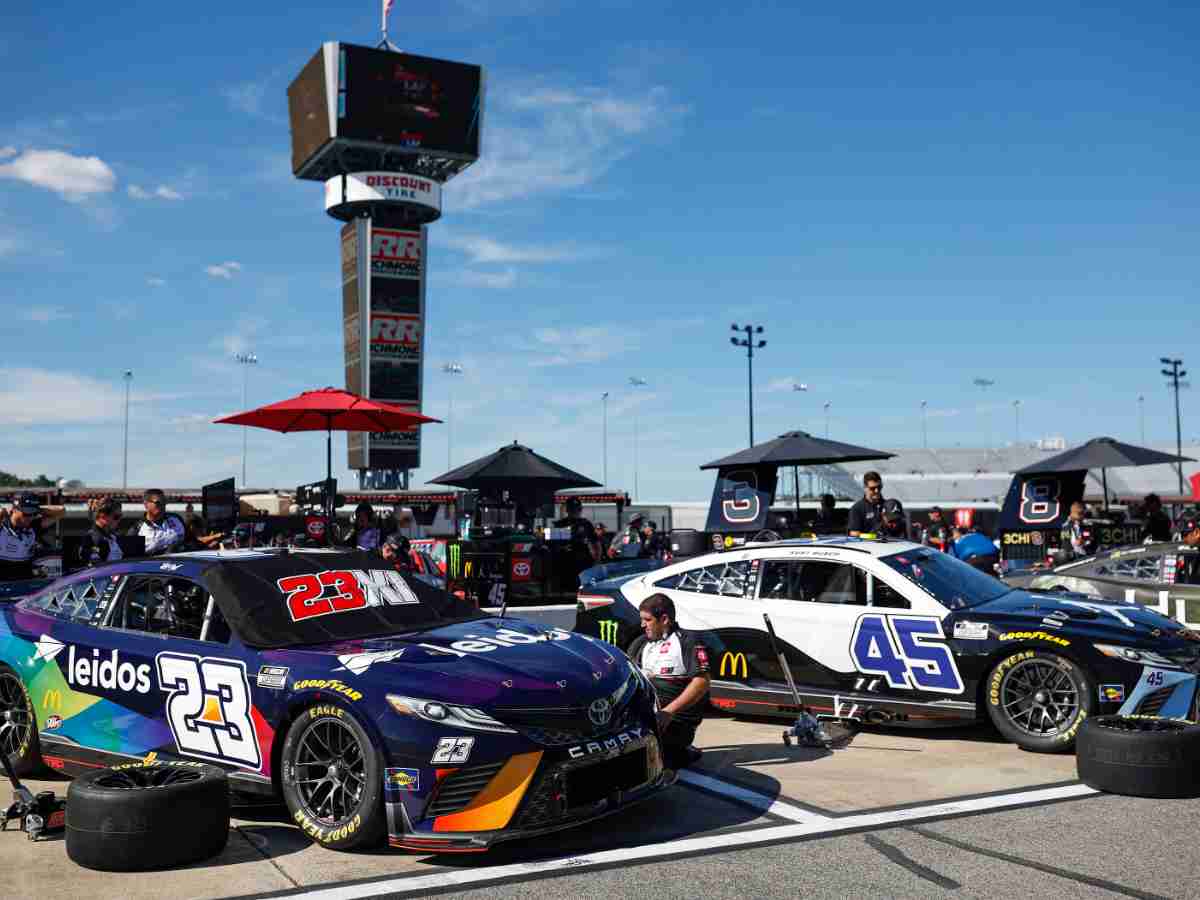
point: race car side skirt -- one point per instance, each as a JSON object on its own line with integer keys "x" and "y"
{"x": 776, "y": 700}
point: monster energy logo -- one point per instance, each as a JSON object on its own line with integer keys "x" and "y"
{"x": 455, "y": 554}
{"x": 608, "y": 631}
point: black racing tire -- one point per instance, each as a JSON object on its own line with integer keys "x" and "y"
{"x": 18, "y": 725}
{"x": 140, "y": 816}
{"x": 1038, "y": 699}
{"x": 342, "y": 809}
{"x": 1140, "y": 756}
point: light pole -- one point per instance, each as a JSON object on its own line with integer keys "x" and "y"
{"x": 828, "y": 403}
{"x": 246, "y": 360}
{"x": 983, "y": 384}
{"x": 450, "y": 369}
{"x": 924, "y": 429}
{"x": 635, "y": 382}
{"x": 1142, "y": 417}
{"x": 604, "y": 407}
{"x": 128, "y": 376}
{"x": 1017, "y": 417}
{"x": 1174, "y": 374}
{"x": 803, "y": 389}
{"x": 751, "y": 344}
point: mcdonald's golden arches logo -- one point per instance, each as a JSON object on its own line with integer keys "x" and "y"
{"x": 52, "y": 700}
{"x": 734, "y": 661}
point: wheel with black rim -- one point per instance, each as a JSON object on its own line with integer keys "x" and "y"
{"x": 18, "y": 726}
{"x": 147, "y": 816}
{"x": 1039, "y": 699}
{"x": 333, "y": 779}
{"x": 1140, "y": 756}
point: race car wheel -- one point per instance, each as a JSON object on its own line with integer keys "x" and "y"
{"x": 1140, "y": 756}
{"x": 1038, "y": 700}
{"x": 333, "y": 779}
{"x": 147, "y": 816}
{"x": 18, "y": 726}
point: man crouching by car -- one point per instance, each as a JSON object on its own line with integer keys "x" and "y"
{"x": 676, "y": 662}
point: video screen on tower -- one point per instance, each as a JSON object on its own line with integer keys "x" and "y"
{"x": 410, "y": 101}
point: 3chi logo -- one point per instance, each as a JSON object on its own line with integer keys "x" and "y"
{"x": 734, "y": 661}
{"x": 608, "y": 630}
{"x": 209, "y": 707}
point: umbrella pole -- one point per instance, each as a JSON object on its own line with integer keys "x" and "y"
{"x": 1104, "y": 482}
{"x": 330, "y": 500}
{"x": 796, "y": 492}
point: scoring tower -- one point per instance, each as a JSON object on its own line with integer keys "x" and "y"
{"x": 384, "y": 130}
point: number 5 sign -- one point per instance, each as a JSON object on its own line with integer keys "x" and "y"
{"x": 208, "y": 708}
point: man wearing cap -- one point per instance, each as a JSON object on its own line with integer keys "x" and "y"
{"x": 936, "y": 533}
{"x": 628, "y": 545}
{"x": 366, "y": 533}
{"x": 18, "y": 539}
{"x": 653, "y": 545}
{"x": 163, "y": 532}
{"x": 1157, "y": 526}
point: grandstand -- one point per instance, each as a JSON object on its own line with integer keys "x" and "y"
{"x": 965, "y": 474}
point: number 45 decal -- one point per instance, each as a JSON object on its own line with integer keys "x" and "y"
{"x": 208, "y": 708}
{"x": 907, "y": 650}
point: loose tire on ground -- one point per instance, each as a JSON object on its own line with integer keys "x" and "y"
{"x": 147, "y": 816}
{"x": 1038, "y": 699}
{"x": 332, "y": 779}
{"x": 18, "y": 725}
{"x": 1140, "y": 756}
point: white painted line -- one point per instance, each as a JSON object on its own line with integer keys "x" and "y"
{"x": 763, "y": 803}
{"x": 825, "y": 826}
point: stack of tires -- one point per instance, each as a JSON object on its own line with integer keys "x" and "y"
{"x": 153, "y": 815}
{"x": 1140, "y": 756}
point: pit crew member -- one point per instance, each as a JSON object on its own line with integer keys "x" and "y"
{"x": 937, "y": 532}
{"x": 100, "y": 543}
{"x": 866, "y": 516}
{"x": 1076, "y": 541}
{"x": 18, "y": 538}
{"x": 975, "y": 549}
{"x": 676, "y": 662}
{"x": 1157, "y": 526}
{"x": 164, "y": 532}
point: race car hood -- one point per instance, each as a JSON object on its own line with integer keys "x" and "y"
{"x": 1081, "y": 615}
{"x": 483, "y": 662}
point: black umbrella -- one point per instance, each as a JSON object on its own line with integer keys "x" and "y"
{"x": 798, "y": 448}
{"x": 515, "y": 469}
{"x": 1102, "y": 453}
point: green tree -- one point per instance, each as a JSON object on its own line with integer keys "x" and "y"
{"x": 7, "y": 479}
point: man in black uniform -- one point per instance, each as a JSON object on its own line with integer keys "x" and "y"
{"x": 100, "y": 543}
{"x": 866, "y": 516}
{"x": 937, "y": 532}
{"x": 366, "y": 533}
{"x": 676, "y": 662}
{"x": 1157, "y": 526}
{"x": 628, "y": 544}
{"x": 653, "y": 545}
{"x": 18, "y": 539}
{"x": 824, "y": 522}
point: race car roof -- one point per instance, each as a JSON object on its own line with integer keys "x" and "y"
{"x": 840, "y": 542}
{"x": 283, "y": 599}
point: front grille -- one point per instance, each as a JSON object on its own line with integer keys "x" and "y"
{"x": 459, "y": 788}
{"x": 561, "y": 726}
{"x": 1154, "y": 701}
{"x": 563, "y": 789}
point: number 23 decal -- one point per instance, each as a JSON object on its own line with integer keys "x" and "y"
{"x": 208, "y": 708}
{"x": 907, "y": 650}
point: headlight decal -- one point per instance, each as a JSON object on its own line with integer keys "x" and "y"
{"x": 447, "y": 714}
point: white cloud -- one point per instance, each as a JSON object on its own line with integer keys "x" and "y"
{"x": 45, "y": 314}
{"x": 162, "y": 192}
{"x": 6, "y": 152}
{"x": 155, "y": 281}
{"x": 224, "y": 270}
{"x": 41, "y": 397}
{"x": 492, "y": 280}
{"x": 485, "y": 250}
{"x": 543, "y": 139}
{"x": 564, "y": 346}
{"x": 785, "y": 384}
{"x": 75, "y": 178}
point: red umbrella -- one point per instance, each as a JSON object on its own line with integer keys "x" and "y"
{"x": 328, "y": 409}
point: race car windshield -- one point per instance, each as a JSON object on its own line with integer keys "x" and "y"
{"x": 290, "y": 600}
{"x": 951, "y": 582}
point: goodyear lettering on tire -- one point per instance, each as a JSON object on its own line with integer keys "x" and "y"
{"x": 1069, "y": 734}
{"x": 318, "y": 833}
{"x": 998, "y": 674}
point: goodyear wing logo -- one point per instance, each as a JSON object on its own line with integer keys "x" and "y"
{"x": 47, "y": 648}
{"x": 734, "y": 661}
{"x": 608, "y": 630}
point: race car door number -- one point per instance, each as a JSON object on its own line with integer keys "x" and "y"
{"x": 208, "y": 708}
{"x": 907, "y": 650}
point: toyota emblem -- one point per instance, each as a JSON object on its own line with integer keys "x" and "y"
{"x": 600, "y": 712}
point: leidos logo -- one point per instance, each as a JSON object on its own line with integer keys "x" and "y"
{"x": 108, "y": 672}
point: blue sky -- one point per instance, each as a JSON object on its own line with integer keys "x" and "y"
{"x": 906, "y": 198}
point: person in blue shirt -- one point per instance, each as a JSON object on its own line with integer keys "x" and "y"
{"x": 974, "y": 549}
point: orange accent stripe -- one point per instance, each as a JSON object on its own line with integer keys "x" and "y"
{"x": 494, "y": 806}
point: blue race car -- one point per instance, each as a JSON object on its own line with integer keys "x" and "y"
{"x": 371, "y": 702}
